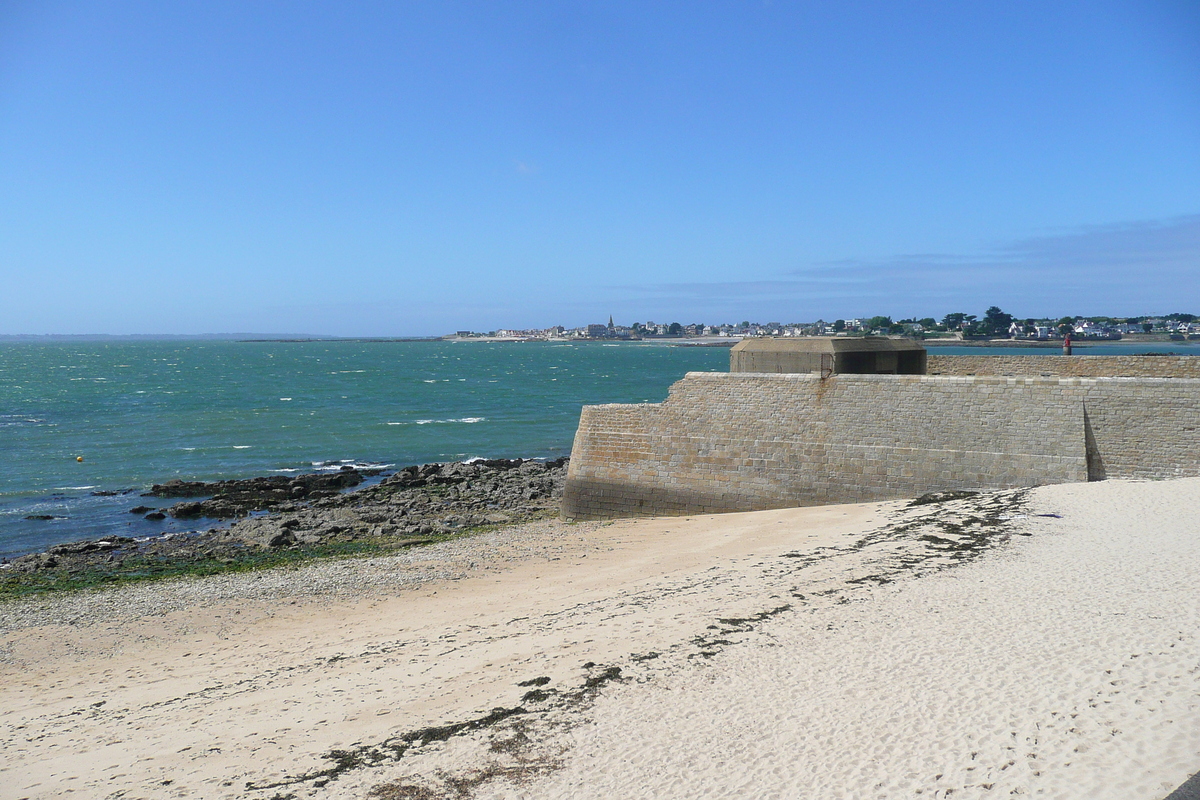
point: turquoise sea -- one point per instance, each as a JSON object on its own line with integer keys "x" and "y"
{"x": 145, "y": 412}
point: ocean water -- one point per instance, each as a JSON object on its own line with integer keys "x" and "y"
{"x": 146, "y": 412}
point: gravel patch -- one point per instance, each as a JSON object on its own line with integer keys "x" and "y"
{"x": 355, "y": 578}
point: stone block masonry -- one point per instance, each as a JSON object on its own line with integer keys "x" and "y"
{"x": 741, "y": 442}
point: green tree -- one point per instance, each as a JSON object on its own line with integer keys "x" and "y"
{"x": 879, "y": 322}
{"x": 675, "y": 328}
{"x": 953, "y": 322}
{"x": 927, "y": 323}
{"x": 996, "y": 322}
{"x": 1147, "y": 327}
{"x": 839, "y": 324}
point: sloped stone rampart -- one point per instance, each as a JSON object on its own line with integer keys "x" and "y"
{"x": 1058, "y": 366}
{"x": 740, "y": 442}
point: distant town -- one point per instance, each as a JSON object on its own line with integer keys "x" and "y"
{"x": 993, "y": 324}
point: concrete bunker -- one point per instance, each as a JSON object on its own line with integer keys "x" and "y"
{"x": 823, "y": 355}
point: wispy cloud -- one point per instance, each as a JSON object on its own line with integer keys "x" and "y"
{"x": 1129, "y": 268}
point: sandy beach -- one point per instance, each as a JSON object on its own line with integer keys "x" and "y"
{"x": 1033, "y": 642}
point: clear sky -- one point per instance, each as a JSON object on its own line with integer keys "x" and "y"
{"x": 411, "y": 168}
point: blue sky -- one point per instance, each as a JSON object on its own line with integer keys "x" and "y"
{"x": 418, "y": 168}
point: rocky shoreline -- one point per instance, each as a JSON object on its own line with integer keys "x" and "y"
{"x": 277, "y": 519}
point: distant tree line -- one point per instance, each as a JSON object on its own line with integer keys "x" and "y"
{"x": 997, "y": 322}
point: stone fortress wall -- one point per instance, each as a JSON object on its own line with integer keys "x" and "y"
{"x": 744, "y": 441}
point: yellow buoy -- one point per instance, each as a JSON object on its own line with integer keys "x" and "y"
{"x": 79, "y": 458}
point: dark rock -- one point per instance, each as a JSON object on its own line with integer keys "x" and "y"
{"x": 235, "y": 498}
{"x": 179, "y": 488}
{"x": 141, "y": 509}
{"x": 99, "y": 545}
{"x": 285, "y": 538}
{"x": 941, "y": 497}
{"x": 35, "y": 562}
{"x": 41, "y": 516}
{"x": 190, "y": 510}
{"x": 402, "y": 510}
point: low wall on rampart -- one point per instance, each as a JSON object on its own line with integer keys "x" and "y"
{"x": 1059, "y": 366}
{"x": 741, "y": 442}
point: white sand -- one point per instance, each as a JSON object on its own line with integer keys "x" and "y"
{"x": 1062, "y": 664}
